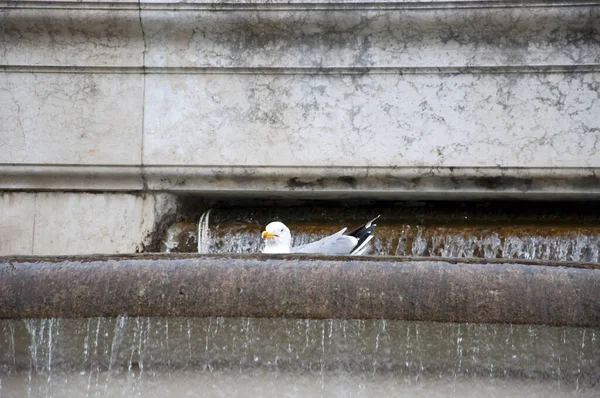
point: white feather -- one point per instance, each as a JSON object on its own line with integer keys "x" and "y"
{"x": 336, "y": 244}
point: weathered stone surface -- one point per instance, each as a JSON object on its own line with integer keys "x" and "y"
{"x": 300, "y": 287}
{"x": 360, "y": 36}
{"x": 265, "y": 85}
{"x": 81, "y": 119}
{"x": 313, "y": 182}
{"x": 55, "y": 223}
{"x": 65, "y": 37}
{"x": 373, "y": 120}
{"x": 388, "y": 350}
{"x": 48, "y": 177}
{"x": 16, "y": 223}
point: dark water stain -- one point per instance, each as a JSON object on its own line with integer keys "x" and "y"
{"x": 296, "y": 182}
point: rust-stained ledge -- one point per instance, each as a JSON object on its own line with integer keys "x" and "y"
{"x": 301, "y": 287}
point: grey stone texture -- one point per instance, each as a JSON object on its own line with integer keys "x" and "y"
{"x": 53, "y": 223}
{"x": 394, "y": 99}
{"x": 300, "y": 287}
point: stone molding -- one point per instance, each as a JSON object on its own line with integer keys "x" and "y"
{"x": 320, "y": 287}
{"x": 155, "y": 95}
{"x": 314, "y": 182}
{"x": 285, "y": 5}
{"x": 300, "y": 70}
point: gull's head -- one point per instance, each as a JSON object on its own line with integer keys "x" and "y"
{"x": 278, "y": 238}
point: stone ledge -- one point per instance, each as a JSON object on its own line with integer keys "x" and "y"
{"x": 418, "y": 38}
{"x": 285, "y": 5}
{"x": 70, "y": 178}
{"x": 305, "y": 70}
{"x": 312, "y": 182}
{"x": 313, "y": 287}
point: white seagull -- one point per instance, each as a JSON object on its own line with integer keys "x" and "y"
{"x": 278, "y": 239}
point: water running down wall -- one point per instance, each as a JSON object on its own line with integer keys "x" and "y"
{"x": 153, "y": 357}
{"x": 487, "y": 230}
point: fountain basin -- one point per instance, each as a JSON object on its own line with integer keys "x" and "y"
{"x": 293, "y": 286}
{"x": 162, "y": 357}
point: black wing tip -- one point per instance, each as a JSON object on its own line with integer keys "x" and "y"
{"x": 364, "y": 234}
{"x": 360, "y": 247}
{"x": 366, "y": 227}
{"x": 370, "y": 224}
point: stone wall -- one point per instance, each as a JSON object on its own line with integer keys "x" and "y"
{"x": 389, "y": 99}
{"x": 57, "y": 223}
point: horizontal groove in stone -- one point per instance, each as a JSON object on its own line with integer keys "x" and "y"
{"x": 317, "y": 170}
{"x": 282, "y": 5}
{"x": 313, "y": 181}
{"x": 333, "y": 70}
{"x": 81, "y": 177}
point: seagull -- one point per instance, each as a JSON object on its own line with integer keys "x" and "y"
{"x": 278, "y": 239}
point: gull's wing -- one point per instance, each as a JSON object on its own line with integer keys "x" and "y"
{"x": 355, "y": 243}
{"x": 337, "y": 243}
{"x": 363, "y": 235}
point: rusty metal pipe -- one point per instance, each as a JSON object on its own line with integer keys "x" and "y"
{"x": 301, "y": 287}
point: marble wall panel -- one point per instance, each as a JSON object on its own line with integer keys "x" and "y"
{"x": 56, "y": 223}
{"x": 72, "y": 88}
{"x": 59, "y": 37}
{"x": 84, "y": 223}
{"x": 368, "y": 38}
{"x": 16, "y": 223}
{"x": 70, "y": 118}
{"x": 437, "y": 120}
{"x": 91, "y": 2}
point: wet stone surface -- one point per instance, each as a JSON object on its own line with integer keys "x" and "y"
{"x": 529, "y": 231}
{"x": 303, "y": 286}
{"x": 130, "y": 356}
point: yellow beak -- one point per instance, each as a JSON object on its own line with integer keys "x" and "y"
{"x": 267, "y": 235}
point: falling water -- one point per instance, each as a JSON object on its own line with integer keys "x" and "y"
{"x": 553, "y": 239}
{"x": 574, "y": 244}
{"x": 241, "y": 356}
{"x": 204, "y": 233}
